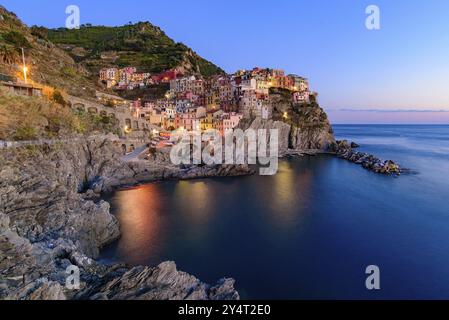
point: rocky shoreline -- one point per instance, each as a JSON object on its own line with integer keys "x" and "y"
{"x": 345, "y": 150}
{"x": 51, "y": 217}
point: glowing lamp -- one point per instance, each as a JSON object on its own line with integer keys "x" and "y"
{"x": 25, "y": 71}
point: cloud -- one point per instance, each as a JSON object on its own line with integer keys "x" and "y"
{"x": 392, "y": 110}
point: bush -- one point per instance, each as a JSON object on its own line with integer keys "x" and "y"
{"x": 58, "y": 98}
{"x": 40, "y": 32}
{"x": 17, "y": 39}
{"x": 71, "y": 72}
{"x": 8, "y": 54}
{"x": 30, "y": 118}
{"x": 25, "y": 133}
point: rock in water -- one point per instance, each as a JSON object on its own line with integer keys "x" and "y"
{"x": 344, "y": 150}
{"x": 47, "y": 224}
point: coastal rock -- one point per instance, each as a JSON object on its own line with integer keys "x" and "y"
{"x": 48, "y": 291}
{"x": 164, "y": 282}
{"x": 344, "y": 150}
{"x": 213, "y": 171}
{"x": 283, "y": 132}
{"x": 307, "y": 139}
{"x": 48, "y": 223}
{"x": 40, "y": 289}
{"x": 302, "y": 128}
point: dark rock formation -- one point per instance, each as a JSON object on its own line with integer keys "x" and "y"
{"x": 344, "y": 150}
{"x": 302, "y": 128}
{"x": 51, "y": 218}
{"x": 164, "y": 282}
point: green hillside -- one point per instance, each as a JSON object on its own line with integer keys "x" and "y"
{"x": 141, "y": 45}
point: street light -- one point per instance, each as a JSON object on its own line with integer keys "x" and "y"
{"x": 25, "y": 71}
{"x": 25, "y": 68}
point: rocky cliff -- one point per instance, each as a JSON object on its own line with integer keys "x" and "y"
{"x": 302, "y": 127}
{"x": 51, "y": 217}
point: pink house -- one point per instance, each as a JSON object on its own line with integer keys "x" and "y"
{"x": 301, "y": 97}
{"x": 231, "y": 120}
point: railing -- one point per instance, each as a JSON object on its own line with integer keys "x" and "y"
{"x": 113, "y": 138}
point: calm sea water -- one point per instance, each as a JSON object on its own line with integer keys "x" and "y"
{"x": 310, "y": 231}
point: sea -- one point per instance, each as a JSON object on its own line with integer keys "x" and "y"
{"x": 310, "y": 232}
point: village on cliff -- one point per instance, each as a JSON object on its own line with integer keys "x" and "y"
{"x": 196, "y": 103}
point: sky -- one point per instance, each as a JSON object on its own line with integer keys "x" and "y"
{"x": 397, "y": 74}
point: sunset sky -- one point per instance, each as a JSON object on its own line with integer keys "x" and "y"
{"x": 398, "y": 74}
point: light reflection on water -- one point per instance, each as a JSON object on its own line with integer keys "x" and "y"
{"x": 308, "y": 232}
{"x": 139, "y": 221}
{"x": 194, "y": 201}
{"x": 288, "y": 195}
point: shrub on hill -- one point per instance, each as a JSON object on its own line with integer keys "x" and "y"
{"x": 29, "y": 118}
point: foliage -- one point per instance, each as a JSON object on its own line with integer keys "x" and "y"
{"x": 285, "y": 93}
{"x": 307, "y": 116}
{"x": 58, "y": 98}
{"x": 152, "y": 92}
{"x": 69, "y": 71}
{"x": 40, "y": 32}
{"x": 142, "y": 45}
{"x": 29, "y": 118}
{"x": 25, "y": 132}
{"x": 17, "y": 39}
{"x": 8, "y": 54}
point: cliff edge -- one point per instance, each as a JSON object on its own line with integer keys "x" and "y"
{"x": 51, "y": 217}
{"x": 302, "y": 127}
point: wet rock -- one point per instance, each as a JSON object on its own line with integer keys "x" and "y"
{"x": 48, "y": 224}
{"x": 48, "y": 291}
{"x": 344, "y": 150}
{"x": 164, "y": 282}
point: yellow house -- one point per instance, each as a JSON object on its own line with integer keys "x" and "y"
{"x": 207, "y": 122}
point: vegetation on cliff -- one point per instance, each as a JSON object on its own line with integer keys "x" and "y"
{"x": 70, "y": 59}
{"x": 301, "y": 115}
{"x": 310, "y": 126}
{"x": 30, "y": 118}
{"x": 141, "y": 45}
{"x": 47, "y": 64}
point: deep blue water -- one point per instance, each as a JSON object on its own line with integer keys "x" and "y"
{"x": 310, "y": 231}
